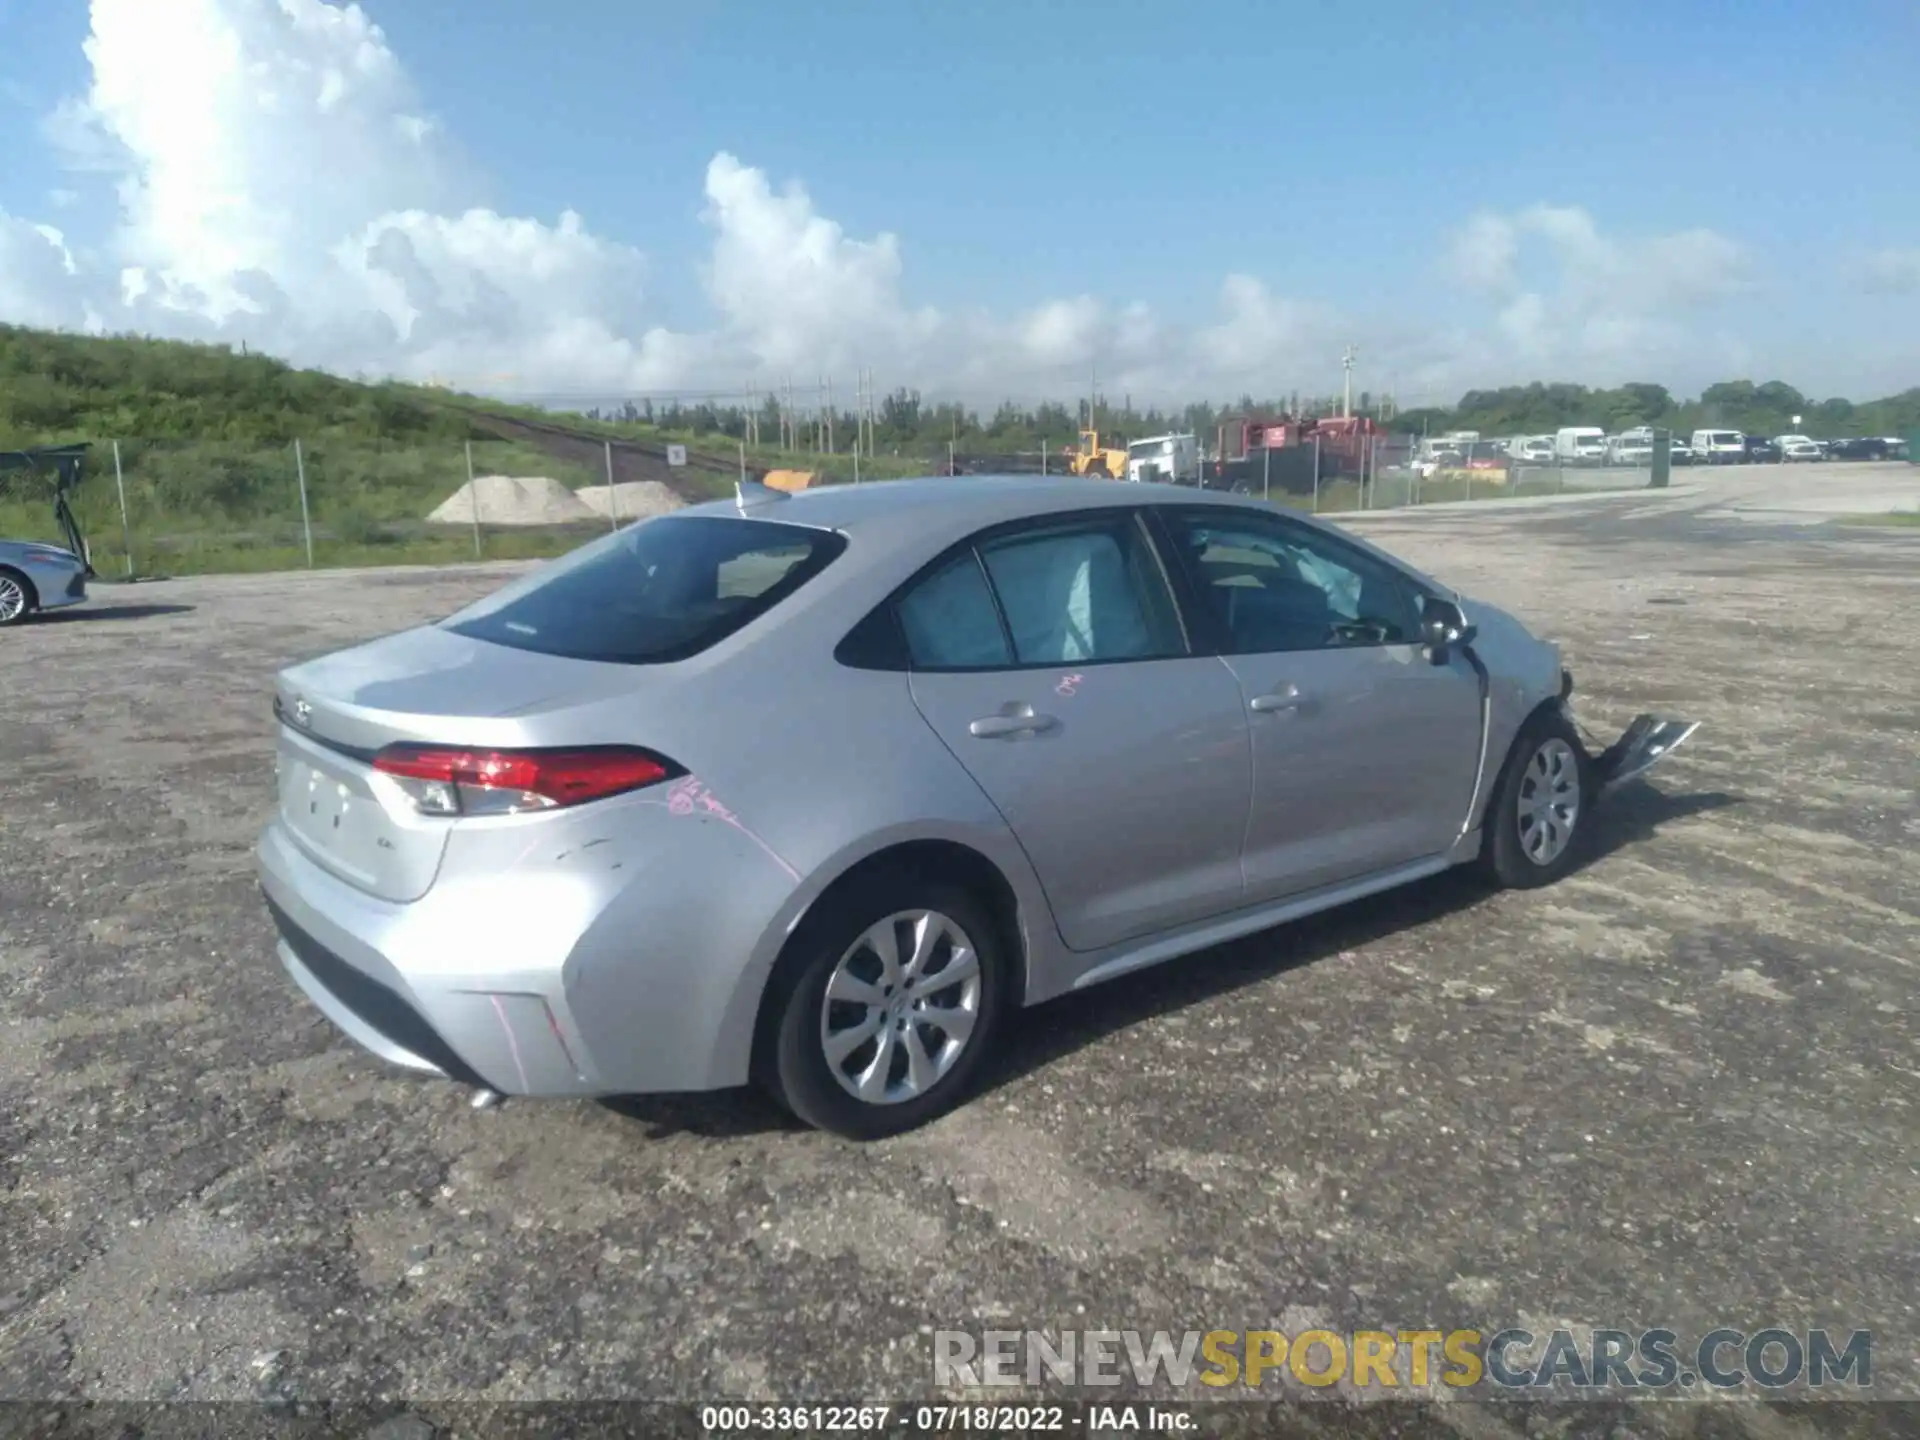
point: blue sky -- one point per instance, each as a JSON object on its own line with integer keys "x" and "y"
{"x": 1025, "y": 154}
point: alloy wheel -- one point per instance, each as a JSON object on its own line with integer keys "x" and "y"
{"x": 900, "y": 1007}
{"x": 1549, "y": 803}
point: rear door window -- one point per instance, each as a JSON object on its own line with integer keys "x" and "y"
{"x": 950, "y": 621}
{"x": 656, "y": 592}
{"x": 1046, "y": 593}
{"x": 1079, "y": 592}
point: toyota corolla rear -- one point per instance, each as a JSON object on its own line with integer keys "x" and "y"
{"x": 509, "y": 845}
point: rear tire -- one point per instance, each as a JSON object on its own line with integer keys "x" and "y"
{"x": 915, "y": 1033}
{"x": 17, "y": 598}
{"x": 1537, "y": 820}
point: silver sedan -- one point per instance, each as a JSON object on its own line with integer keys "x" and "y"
{"x": 36, "y": 577}
{"x": 812, "y": 790}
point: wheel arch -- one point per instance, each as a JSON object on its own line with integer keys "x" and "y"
{"x": 26, "y": 581}
{"x": 1496, "y": 772}
{"x": 921, "y": 859}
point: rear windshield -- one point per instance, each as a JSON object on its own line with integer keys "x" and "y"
{"x": 660, "y": 591}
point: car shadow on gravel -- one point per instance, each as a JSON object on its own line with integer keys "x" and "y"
{"x": 80, "y": 614}
{"x": 1039, "y": 1036}
{"x": 1634, "y": 814}
{"x": 713, "y": 1115}
{"x": 1061, "y": 1026}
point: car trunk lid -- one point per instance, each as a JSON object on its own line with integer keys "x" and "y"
{"x": 425, "y": 686}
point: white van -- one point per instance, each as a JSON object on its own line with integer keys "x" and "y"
{"x": 1580, "y": 445}
{"x": 1719, "y": 447}
{"x": 1631, "y": 447}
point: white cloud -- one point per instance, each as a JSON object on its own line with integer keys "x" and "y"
{"x": 1576, "y": 301}
{"x": 1894, "y": 271}
{"x": 794, "y": 288}
{"x": 1483, "y": 253}
{"x": 1636, "y": 275}
{"x": 279, "y": 180}
{"x": 37, "y": 276}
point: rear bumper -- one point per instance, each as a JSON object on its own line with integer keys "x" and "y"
{"x": 446, "y": 986}
{"x": 374, "y": 1015}
{"x": 57, "y": 585}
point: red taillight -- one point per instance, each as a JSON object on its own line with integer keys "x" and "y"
{"x": 443, "y": 780}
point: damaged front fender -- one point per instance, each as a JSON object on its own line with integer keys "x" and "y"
{"x": 1643, "y": 745}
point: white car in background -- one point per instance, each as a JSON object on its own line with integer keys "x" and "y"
{"x": 1720, "y": 447}
{"x": 1580, "y": 445}
{"x": 1799, "y": 447}
{"x": 1630, "y": 447}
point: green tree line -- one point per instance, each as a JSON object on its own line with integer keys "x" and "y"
{"x": 1764, "y": 409}
{"x": 905, "y": 422}
{"x": 60, "y": 387}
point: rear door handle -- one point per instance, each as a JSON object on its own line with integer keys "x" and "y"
{"x": 1288, "y": 698}
{"x": 1001, "y": 727}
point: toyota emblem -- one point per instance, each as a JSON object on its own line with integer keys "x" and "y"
{"x": 302, "y": 713}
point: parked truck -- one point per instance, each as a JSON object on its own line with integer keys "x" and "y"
{"x": 1165, "y": 460}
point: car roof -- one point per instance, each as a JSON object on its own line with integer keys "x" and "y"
{"x": 940, "y": 502}
{"x": 933, "y": 512}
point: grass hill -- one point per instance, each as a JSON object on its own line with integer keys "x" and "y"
{"x": 206, "y": 453}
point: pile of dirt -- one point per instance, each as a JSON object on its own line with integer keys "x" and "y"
{"x": 633, "y": 500}
{"x": 513, "y": 500}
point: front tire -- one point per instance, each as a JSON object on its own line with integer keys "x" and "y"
{"x": 1537, "y": 820}
{"x": 887, "y": 1011}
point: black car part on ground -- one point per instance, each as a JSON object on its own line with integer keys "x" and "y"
{"x": 63, "y": 464}
{"x": 1643, "y": 744}
{"x": 1640, "y": 747}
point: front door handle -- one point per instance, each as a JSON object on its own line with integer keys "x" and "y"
{"x": 1000, "y": 727}
{"x": 1286, "y": 698}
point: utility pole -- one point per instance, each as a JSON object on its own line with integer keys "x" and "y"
{"x": 829, "y": 415}
{"x": 1346, "y": 396}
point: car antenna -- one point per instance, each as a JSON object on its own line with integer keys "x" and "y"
{"x": 752, "y": 492}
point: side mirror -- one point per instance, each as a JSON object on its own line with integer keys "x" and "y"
{"x": 1444, "y": 627}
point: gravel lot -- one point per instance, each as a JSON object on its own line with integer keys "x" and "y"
{"x": 1678, "y": 1089}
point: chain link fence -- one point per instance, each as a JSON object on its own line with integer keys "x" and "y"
{"x": 158, "y": 508}
{"x": 167, "y": 507}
